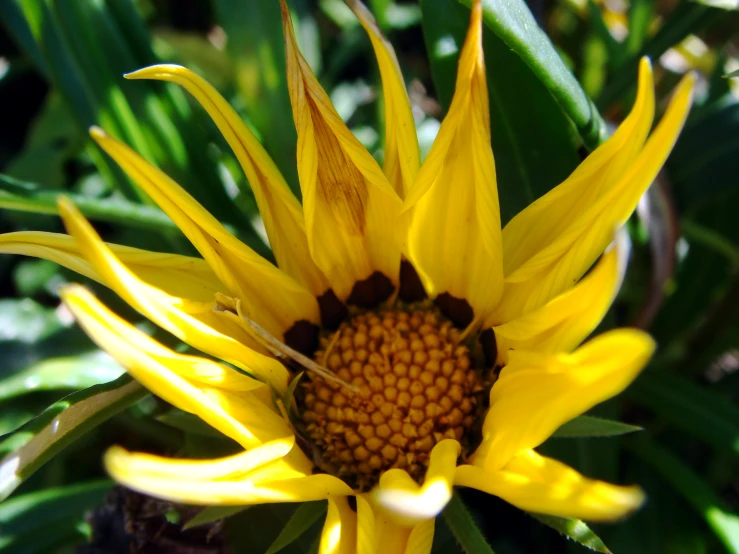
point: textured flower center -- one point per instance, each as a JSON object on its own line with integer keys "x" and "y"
{"x": 416, "y": 385}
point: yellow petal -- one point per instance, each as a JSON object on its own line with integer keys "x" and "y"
{"x": 167, "y": 479}
{"x": 156, "y": 367}
{"x": 402, "y": 157}
{"x": 542, "y": 485}
{"x": 405, "y": 501}
{"x": 230, "y": 467}
{"x": 536, "y": 393}
{"x": 182, "y": 276}
{"x": 366, "y": 528}
{"x": 339, "y": 535}
{"x": 270, "y": 297}
{"x": 174, "y": 314}
{"x": 377, "y": 532}
{"x": 350, "y": 208}
{"x": 421, "y": 538}
{"x": 564, "y": 322}
{"x": 454, "y": 238}
{"x": 554, "y": 241}
{"x": 280, "y": 210}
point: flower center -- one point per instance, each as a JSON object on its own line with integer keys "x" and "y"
{"x": 415, "y": 383}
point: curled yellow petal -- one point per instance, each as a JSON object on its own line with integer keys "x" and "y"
{"x": 350, "y": 208}
{"x": 280, "y": 210}
{"x": 339, "y": 534}
{"x": 377, "y": 531}
{"x": 168, "y": 479}
{"x": 178, "y": 275}
{"x": 453, "y": 235}
{"x": 421, "y": 538}
{"x": 536, "y": 393}
{"x": 542, "y": 485}
{"x": 270, "y": 297}
{"x": 405, "y": 501}
{"x": 401, "y": 154}
{"x": 192, "y": 384}
{"x": 192, "y": 322}
{"x": 564, "y": 322}
{"x": 550, "y": 244}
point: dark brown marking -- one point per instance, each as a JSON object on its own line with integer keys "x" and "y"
{"x": 369, "y": 292}
{"x": 489, "y": 347}
{"x": 456, "y": 309}
{"x": 333, "y": 310}
{"x": 411, "y": 288}
{"x": 303, "y": 337}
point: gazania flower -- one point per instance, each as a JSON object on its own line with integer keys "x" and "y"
{"x": 438, "y": 349}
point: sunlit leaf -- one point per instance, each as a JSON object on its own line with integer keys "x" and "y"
{"x": 589, "y": 426}
{"x": 575, "y": 530}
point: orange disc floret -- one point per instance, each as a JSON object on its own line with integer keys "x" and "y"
{"x": 415, "y": 385}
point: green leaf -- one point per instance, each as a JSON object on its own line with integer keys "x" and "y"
{"x": 464, "y": 527}
{"x": 575, "y": 530}
{"x": 303, "y": 519}
{"x": 30, "y": 197}
{"x": 188, "y": 423}
{"x": 694, "y": 490}
{"x": 40, "y": 521}
{"x": 693, "y": 408}
{"x": 209, "y": 514}
{"x": 589, "y": 426}
{"x": 731, "y": 74}
{"x": 26, "y": 321}
{"x": 533, "y": 142}
{"x": 39, "y": 440}
{"x": 70, "y": 372}
{"x": 513, "y": 22}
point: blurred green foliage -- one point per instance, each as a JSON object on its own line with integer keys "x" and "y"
{"x": 61, "y": 66}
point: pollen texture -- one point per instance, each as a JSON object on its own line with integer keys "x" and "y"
{"x": 415, "y": 386}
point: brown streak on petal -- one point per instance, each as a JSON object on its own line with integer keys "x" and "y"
{"x": 411, "y": 287}
{"x": 339, "y": 183}
{"x": 333, "y": 310}
{"x": 303, "y": 337}
{"x": 456, "y": 309}
{"x": 369, "y": 292}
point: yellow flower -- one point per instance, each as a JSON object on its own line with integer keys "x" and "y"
{"x": 384, "y": 277}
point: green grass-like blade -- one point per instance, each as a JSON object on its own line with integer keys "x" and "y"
{"x": 464, "y": 527}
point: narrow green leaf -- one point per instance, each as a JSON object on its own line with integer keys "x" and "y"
{"x": 188, "y": 423}
{"x": 209, "y": 514}
{"x": 513, "y": 22}
{"x": 575, "y": 530}
{"x": 29, "y": 197}
{"x": 589, "y": 426}
{"x": 69, "y": 372}
{"x": 533, "y": 141}
{"x": 39, "y": 440}
{"x": 695, "y": 409}
{"x": 27, "y": 520}
{"x": 464, "y": 527}
{"x": 693, "y": 488}
{"x": 303, "y": 519}
{"x": 734, "y": 73}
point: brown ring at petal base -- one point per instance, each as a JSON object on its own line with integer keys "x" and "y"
{"x": 303, "y": 337}
{"x": 457, "y": 310}
{"x": 489, "y": 347}
{"x": 411, "y": 287}
{"x": 333, "y": 311}
{"x": 369, "y": 292}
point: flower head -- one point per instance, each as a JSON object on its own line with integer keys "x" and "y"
{"x": 440, "y": 349}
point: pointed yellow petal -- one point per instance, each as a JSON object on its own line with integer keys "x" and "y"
{"x": 339, "y": 535}
{"x": 230, "y": 467}
{"x": 564, "y": 322}
{"x": 402, "y": 157}
{"x": 408, "y": 503}
{"x": 280, "y": 210}
{"x": 155, "y": 367}
{"x": 183, "y": 276}
{"x": 554, "y": 241}
{"x": 270, "y": 297}
{"x": 168, "y": 479}
{"x": 454, "y": 238}
{"x": 536, "y": 393}
{"x": 350, "y": 208}
{"x": 542, "y": 485}
{"x": 194, "y": 324}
